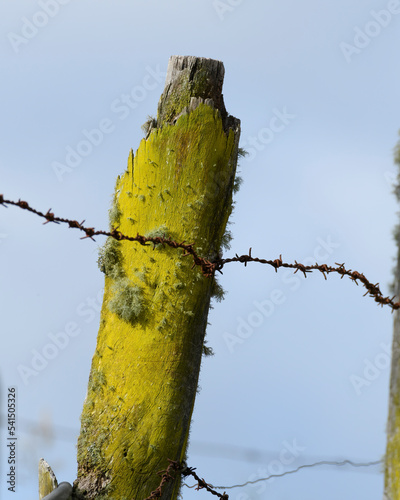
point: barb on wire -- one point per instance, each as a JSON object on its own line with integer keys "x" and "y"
{"x": 372, "y": 290}
{"x": 185, "y": 471}
{"x": 201, "y": 483}
{"x": 165, "y": 478}
{"x": 300, "y": 467}
{"x": 208, "y": 267}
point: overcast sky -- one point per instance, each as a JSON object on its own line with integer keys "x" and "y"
{"x": 315, "y": 85}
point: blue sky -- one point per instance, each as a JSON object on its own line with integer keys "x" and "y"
{"x": 319, "y": 187}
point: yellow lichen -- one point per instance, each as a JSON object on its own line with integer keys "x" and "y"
{"x": 149, "y": 349}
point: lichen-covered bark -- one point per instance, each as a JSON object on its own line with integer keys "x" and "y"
{"x": 392, "y": 458}
{"x": 145, "y": 369}
{"x": 47, "y": 479}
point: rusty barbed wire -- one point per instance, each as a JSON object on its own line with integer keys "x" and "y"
{"x": 372, "y": 290}
{"x": 208, "y": 267}
{"x": 201, "y": 483}
{"x": 165, "y": 478}
{"x": 185, "y": 471}
{"x": 299, "y": 468}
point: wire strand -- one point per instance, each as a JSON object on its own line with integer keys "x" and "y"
{"x": 300, "y": 467}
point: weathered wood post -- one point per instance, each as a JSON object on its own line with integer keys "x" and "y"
{"x": 392, "y": 459}
{"x": 145, "y": 369}
{"x": 47, "y": 479}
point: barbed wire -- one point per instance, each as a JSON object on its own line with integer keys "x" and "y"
{"x": 166, "y": 477}
{"x": 201, "y": 483}
{"x": 373, "y": 290}
{"x": 185, "y": 471}
{"x": 300, "y": 467}
{"x": 208, "y": 267}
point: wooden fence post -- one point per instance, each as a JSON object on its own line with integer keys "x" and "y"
{"x": 145, "y": 369}
{"x": 47, "y": 479}
{"x": 392, "y": 459}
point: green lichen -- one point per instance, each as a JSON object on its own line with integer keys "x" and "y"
{"x": 149, "y": 124}
{"x": 159, "y": 232}
{"x": 217, "y": 292}
{"x": 97, "y": 381}
{"x": 394, "y": 285}
{"x": 226, "y": 240}
{"x": 114, "y": 214}
{"x": 127, "y": 300}
{"x": 207, "y": 351}
{"x": 237, "y": 183}
{"x": 157, "y": 329}
{"x": 94, "y": 449}
{"x": 162, "y": 324}
{"x": 110, "y": 259}
{"x": 142, "y": 274}
{"x": 199, "y": 202}
{"x": 179, "y": 285}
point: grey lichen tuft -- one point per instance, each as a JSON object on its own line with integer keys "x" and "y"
{"x": 242, "y": 152}
{"x": 127, "y": 302}
{"x": 394, "y": 286}
{"x": 110, "y": 259}
{"x": 148, "y": 125}
{"x": 217, "y": 292}
{"x": 97, "y": 381}
{"x": 114, "y": 213}
{"x": 237, "y": 183}
{"x": 158, "y": 232}
{"x": 226, "y": 240}
{"x": 207, "y": 351}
